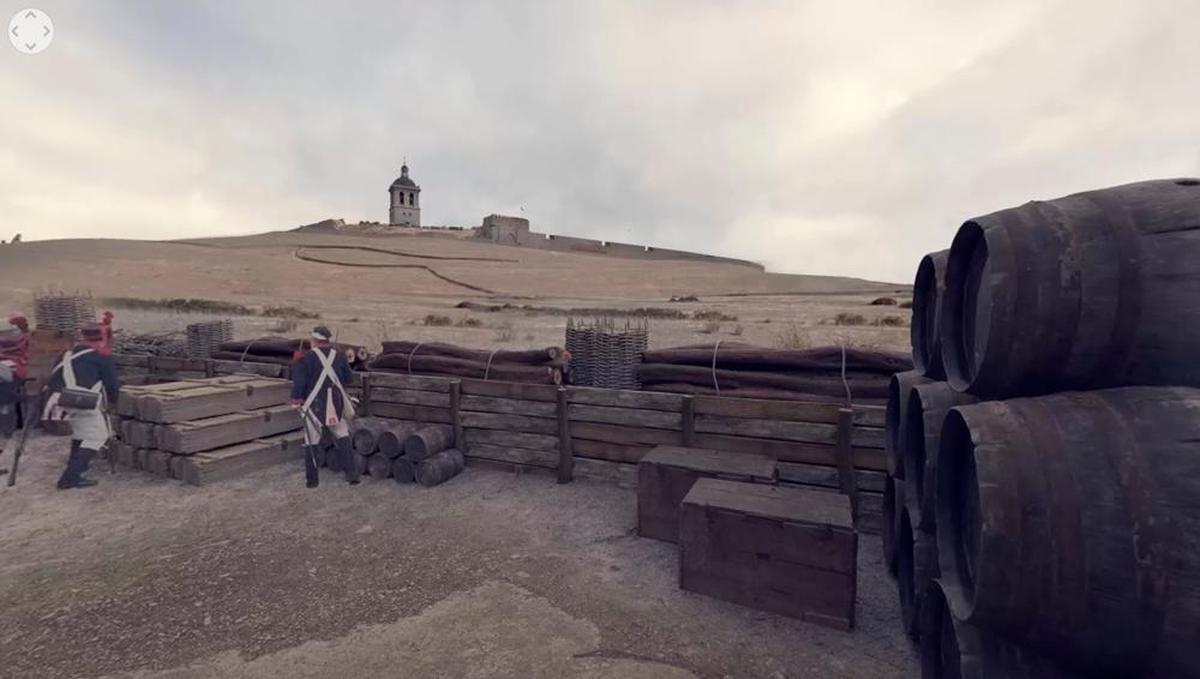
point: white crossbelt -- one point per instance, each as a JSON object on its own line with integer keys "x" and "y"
{"x": 327, "y": 373}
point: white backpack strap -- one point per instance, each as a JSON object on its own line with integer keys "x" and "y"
{"x": 327, "y": 373}
{"x": 68, "y": 369}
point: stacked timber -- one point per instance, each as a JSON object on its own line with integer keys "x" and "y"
{"x": 283, "y": 351}
{"x": 204, "y": 430}
{"x": 533, "y": 366}
{"x": 149, "y": 344}
{"x": 1043, "y": 454}
{"x": 412, "y": 419}
{"x": 743, "y": 370}
{"x": 376, "y": 442}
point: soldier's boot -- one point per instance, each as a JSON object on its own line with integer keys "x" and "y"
{"x": 345, "y": 452}
{"x": 75, "y": 467}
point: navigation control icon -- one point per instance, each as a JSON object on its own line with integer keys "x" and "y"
{"x": 31, "y": 31}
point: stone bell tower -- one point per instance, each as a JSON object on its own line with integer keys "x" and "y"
{"x": 405, "y": 196}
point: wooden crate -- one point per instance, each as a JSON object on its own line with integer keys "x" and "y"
{"x": 784, "y": 550}
{"x": 238, "y": 460}
{"x": 666, "y": 474}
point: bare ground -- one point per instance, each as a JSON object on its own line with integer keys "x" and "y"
{"x": 491, "y": 574}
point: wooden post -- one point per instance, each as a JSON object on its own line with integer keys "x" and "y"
{"x": 210, "y": 368}
{"x": 845, "y": 460}
{"x": 455, "y": 414}
{"x": 366, "y": 394}
{"x": 689, "y": 421}
{"x": 566, "y": 457}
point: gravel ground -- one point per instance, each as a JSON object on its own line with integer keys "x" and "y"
{"x": 490, "y": 575}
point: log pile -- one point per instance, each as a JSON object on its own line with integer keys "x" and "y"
{"x": 747, "y": 371}
{"x": 406, "y": 450}
{"x": 283, "y": 351}
{"x": 205, "y": 430}
{"x": 149, "y": 344}
{"x": 1042, "y": 458}
{"x": 531, "y": 366}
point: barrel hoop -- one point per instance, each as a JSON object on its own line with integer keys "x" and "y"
{"x": 1125, "y": 233}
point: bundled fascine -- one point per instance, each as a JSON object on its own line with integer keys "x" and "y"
{"x": 534, "y": 366}
{"x": 149, "y": 344}
{"x": 205, "y": 338}
{"x": 63, "y": 313}
{"x": 744, "y": 370}
{"x": 282, "y": 350}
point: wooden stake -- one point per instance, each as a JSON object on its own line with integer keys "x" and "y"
{"x": 566, "y": 457}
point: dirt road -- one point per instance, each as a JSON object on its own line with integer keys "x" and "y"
{"x": 492, "y": 574}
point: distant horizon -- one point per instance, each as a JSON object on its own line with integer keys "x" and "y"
{"x": 843, "y": 139}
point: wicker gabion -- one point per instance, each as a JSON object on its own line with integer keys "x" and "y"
{"x": 63, "y": 313}
{"x": 605, "y": 353}
{"x": 205, "y": 338}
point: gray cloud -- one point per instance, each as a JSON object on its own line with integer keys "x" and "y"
{"x": 818, "y": 137}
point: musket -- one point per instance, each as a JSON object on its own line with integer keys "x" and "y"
{"x": 25, "y": 427}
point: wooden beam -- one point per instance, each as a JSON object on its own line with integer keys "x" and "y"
{"x": 808, "y": 432}
{"x": 412, "y": 397}
{"x": 623, "y": 398}
{"x": 630, "y": 436}
{"x": 538, "y": 458}
{"x": 845, "y": 459}
{"x": 456, "y": 411}
{"x": 626, "y": 416}
{"x": 495, "y": 437}
{"x": 508, "y": 406}
{"x": 529, "y": 392}
{"x": 566, "y": 454}
{"x": 401, "y": 411}
{"x": 791, "y": 451}
{"x": 536, "y": 425}
{"x": 829, "y": 477}
{"x": 417, "y": 382}
{"x": 688, "y": 413}
{"x": 613, "y": 452}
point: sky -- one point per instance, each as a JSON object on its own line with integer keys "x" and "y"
{"x": 844, "y": 137}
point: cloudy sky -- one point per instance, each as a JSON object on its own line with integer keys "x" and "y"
{"x": 840, "y": 137}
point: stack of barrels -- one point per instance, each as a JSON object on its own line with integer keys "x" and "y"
{"x": 406, "y": 451}
{"x": 1043, "y": 500}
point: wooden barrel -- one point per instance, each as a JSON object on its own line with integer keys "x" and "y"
{"x": 403, "y": 470}
{"x": 895, "y": 420}
{"x": 1093, "y": 290}
{"x": 1069, "y": 521}
{"x": 923, "y": 331}
{"x": 440, "y": 467}
{"x": 955, "y": 650}
{"x": 891, "y": 521}
{"x": 392, "y": 438}
{"x": 926, "y": 411}
{"x": 379, "y": 466}
{"x": 905, "y": 573}
{"x": 428, "y": 440}
{"x": 364, "y": 432}
{"x": 360, "y": 461}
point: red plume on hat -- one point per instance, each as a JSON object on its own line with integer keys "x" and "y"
{"x": 18, "y": 319}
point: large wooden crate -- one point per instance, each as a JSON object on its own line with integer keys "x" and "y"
{"x": 780, "y": 549}
{"x": 666, "y": 474}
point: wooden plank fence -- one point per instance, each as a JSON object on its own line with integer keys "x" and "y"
{"x": 603, "y": 433}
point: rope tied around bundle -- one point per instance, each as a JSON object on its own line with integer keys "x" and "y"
{"x": 845, "y": 383}
{"x": 411, "y": 354}
{"x": 717, "y": 385}
{"x": 487, "y": 369}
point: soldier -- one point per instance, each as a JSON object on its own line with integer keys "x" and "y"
{"x": 14, "y": 363}
{"x": 82, "y": 382}
{"x": 318, "y": 377}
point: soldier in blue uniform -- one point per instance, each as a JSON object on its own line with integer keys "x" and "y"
{"x": 84, "y": 369}
{"x": 318, "y": 390}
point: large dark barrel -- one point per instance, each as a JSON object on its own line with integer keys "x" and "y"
{"x": 955, "y": 650}
{"x": 428, "y": 440}
{"x": 403, "y": 470}
{"x": 440, "y": 467}
{"x": 895, "y": 420}
{"x": 1071, "y": 521}
{"x": 926, "y": 305}
{"x": 1092, "y": 290}
{"x": 365, "y": 433}
{"x": 925, "y": 412}
{"x": 379, "y": 466}
{"x": 892, "y": 501}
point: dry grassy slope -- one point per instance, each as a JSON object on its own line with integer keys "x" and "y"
{"x": 254, "y": 267}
